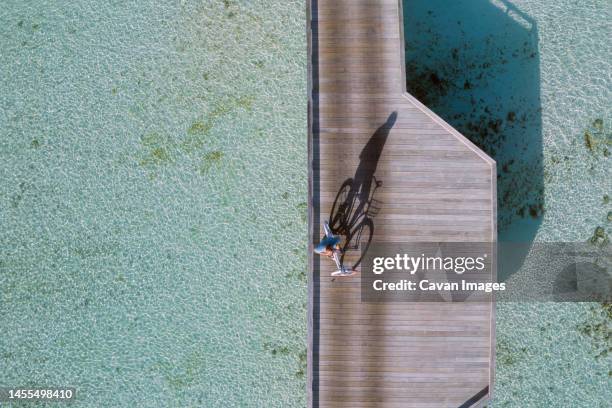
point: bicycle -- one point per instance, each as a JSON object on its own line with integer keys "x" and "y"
{"x": 351, "y": 216}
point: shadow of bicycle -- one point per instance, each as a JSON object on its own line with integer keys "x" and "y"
{"x": 355, "y": 207}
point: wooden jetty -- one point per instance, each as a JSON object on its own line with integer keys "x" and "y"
{"x": 436, "y": 186}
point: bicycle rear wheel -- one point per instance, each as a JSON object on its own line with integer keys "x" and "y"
{"x": 358, "y": 242}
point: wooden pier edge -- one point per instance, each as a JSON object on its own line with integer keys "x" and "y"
{"x": 310, "y": 293}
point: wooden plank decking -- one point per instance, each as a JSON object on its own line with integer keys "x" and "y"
{"x": 437, "y": 186}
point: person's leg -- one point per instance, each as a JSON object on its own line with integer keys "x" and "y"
{"x": 319, "y": 249}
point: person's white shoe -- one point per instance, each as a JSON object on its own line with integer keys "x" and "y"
{"x": 344, "y": 273}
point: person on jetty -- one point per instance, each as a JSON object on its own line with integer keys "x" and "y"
{"x": 329, "y": 246}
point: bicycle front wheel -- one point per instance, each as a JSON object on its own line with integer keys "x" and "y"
{"x": 341, "y": 209}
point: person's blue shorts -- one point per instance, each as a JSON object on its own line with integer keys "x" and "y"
{"x": 327, "y": 242}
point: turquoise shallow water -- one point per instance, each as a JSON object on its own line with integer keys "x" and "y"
{"x": 153, "y": 193}
{"x": 153, "y": 201}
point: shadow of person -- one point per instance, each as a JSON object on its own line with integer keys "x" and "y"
{"x": 368, "y": 162}
{"x": 476, "y": 64}
{"x": 353, "y": 208}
